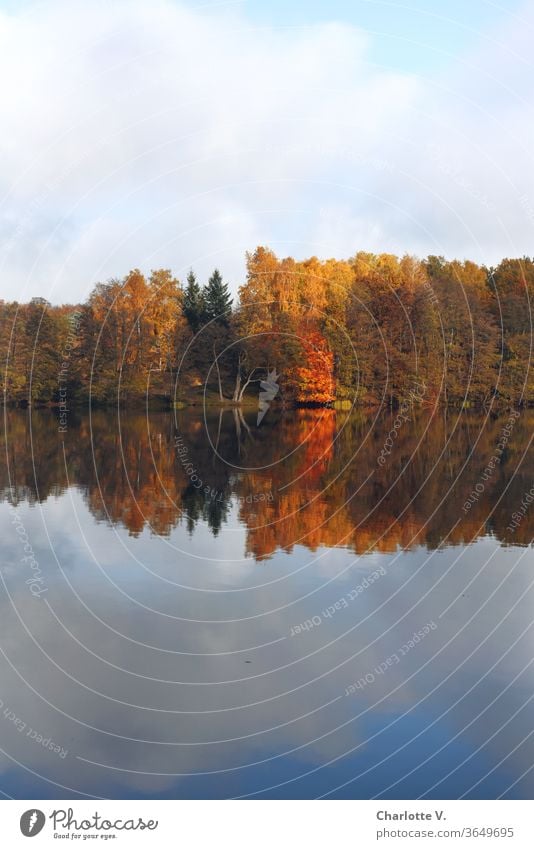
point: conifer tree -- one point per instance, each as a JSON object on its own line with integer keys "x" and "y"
{"x": 217, "y": 299}
{"x": 193, "y": 303}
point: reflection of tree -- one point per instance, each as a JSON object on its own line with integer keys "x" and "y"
{"x": 307, "y": 478}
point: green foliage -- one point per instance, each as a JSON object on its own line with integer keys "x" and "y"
{"x": 217, "y": 299}
{"x": 193, "y": 306}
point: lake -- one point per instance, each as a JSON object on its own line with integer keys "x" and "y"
{"x": 330, "y": 604}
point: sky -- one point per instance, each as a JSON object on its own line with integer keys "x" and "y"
{"x": 182, "y": 134}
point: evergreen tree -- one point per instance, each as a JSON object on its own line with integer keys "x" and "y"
{"x": 218, "y": 303}
{"x": 193, "y": 306}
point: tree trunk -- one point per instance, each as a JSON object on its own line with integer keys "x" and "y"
{"x": 221, "y": 396}
{"x": 237, "y": 387}
{"x": 247, "y": 382}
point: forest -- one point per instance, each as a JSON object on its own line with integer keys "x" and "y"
{"x": 372, "y": 330}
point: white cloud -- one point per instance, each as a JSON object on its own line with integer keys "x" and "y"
{"x": 142, "y": 134}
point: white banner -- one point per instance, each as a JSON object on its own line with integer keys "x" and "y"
{"x": 264, "y": 824}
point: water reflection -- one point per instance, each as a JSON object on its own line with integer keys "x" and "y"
{"x": 202, "y": 640}
{"x": 308, "y": 477}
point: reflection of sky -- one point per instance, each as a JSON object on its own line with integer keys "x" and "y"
{"x": 193, "y": 655}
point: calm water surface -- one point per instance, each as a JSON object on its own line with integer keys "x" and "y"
{"x": 325, "y": 605}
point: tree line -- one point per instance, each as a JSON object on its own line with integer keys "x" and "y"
{"x": 374, "y": 329}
